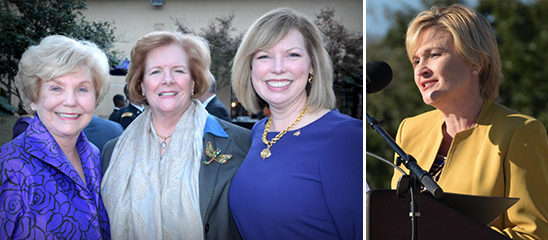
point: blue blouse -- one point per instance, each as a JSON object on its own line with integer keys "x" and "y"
{"x": 311, "y": 187}
{"x": 41, "y": 194}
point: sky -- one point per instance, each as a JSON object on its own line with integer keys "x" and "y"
{"x": 376, "y": 23}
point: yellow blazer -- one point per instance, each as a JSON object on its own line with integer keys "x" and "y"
{"x": 505, "y": 154}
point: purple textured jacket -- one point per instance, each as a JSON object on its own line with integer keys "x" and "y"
{"x": 41, "y": 194}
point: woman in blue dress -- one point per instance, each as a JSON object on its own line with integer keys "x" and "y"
{"x": 50, "y": 174}
{"x": 303, "y": 176}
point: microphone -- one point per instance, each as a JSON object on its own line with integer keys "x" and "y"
{"x": 379, "y": 75}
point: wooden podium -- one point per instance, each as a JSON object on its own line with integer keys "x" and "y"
{"x": 453, "y": 216}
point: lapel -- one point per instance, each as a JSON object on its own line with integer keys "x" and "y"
{"x": 428, "y": 154}
{"x": 41, "y": 144}
{"x": 210, "y": 104}
{"x": 209, "y": 173}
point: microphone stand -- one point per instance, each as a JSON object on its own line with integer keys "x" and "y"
{"x": 408, "y": 183}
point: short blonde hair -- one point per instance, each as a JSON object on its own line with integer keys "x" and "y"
{"x": 57, "y": 56}
{"x": 473, "y": 37}
{"x": 264, "y": 33}
{"x": 196, "y": 48}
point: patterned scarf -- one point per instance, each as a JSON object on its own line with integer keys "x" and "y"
{"x": 153, "y": 197}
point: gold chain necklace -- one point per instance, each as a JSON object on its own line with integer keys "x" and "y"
{"x": 265, "y": 153}
{"x": 164, "y": 139}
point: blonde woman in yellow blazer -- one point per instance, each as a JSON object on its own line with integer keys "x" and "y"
{"x": 504, "y": 154}
{"x": 483, "y": 147}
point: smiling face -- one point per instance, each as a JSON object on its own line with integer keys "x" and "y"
{"x": 441, "y": 75}
{"x": 66, "y": 104}
{"x": 167, "y": 81}
{"x": 280, "y": 74}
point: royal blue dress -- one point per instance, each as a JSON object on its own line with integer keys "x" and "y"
{"x": 41, "y": 194}
{"x": 311, "y": 187}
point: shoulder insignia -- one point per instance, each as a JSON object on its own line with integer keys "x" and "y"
{"x": 127, "y": 114}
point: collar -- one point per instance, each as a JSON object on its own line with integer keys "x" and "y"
{"x": 140, "y": 108}
{"x": 486, "y": 111}
{"x": 206, "y": 102}
{"x": 214, "y": 127}
{"x": 40, "y": 143}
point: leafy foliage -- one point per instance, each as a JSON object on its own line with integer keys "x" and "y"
{"x": 346, "y": 51}
{"x": 223, "y": 44}
{"x": 25, "y": 22}
{"x": 522, "y": 34}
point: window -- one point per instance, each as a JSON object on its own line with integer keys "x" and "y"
{"x": 157, "y": 3}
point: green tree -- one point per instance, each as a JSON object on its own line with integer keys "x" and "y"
{"x": 522, "y": 35}
{"x": 223, "y": 42}
{"x": 26, "y": 22}
{"x": 346, "y": 51}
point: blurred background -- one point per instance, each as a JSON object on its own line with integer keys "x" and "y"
{"x": 522, "y": 34}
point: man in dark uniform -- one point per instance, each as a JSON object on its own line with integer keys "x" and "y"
{"x": 119, "y": 103}
{"x": 131, "y": 111}
{"x": 99, "y": 131}
{"x": 212, "y": 104}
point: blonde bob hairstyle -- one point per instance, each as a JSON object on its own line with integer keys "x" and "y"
{"x": 196, "y": 48}
{"x": 264, "y": 33}
{"x": 57, "y": 56}
{"x": 473, "y": 37}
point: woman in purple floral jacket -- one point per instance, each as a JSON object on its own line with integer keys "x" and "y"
{"x": 50, "y": 175}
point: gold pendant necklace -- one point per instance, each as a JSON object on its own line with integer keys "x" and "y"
{"x": 265, "y": 153}
{"x": 164, "y": 139}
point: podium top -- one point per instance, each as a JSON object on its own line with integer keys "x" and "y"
{"x": 483, "y": 209}
{"x": 440, "y": 218}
